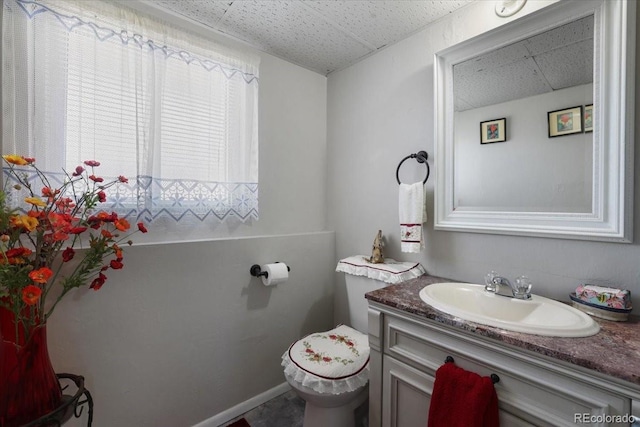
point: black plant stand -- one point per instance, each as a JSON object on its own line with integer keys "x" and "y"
{"x": 72, "y": 404}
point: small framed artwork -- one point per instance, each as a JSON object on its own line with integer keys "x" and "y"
{"x": 588, "y": 118}
{"x": 565, "y": 122}
{"x": 493, "y": 131}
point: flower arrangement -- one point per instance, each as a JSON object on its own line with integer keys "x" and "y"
{"x": 59, "y": 241}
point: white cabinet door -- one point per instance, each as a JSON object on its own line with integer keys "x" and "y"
{"x": 406, "y": 394}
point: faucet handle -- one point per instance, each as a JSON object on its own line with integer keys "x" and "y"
{"x": 489, "y": 284}
{"x": 522, "y": 288}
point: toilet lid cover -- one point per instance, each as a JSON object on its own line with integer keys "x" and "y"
{"x": 334, "y": 361}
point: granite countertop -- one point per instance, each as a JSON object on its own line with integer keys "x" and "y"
{"x": 620, "y": 341}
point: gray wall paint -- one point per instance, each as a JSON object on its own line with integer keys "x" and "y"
{"x": 184, "y": 332}
{"x": 381, "y": 110}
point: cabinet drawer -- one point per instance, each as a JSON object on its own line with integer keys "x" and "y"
{"x": 529, "y": 390}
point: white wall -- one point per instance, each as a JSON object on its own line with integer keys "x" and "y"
{"x": 380, "y": 110}
{"x": 183, "y": 332}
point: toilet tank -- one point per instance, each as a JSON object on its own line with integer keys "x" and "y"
{"x": 357, "y": 286}
{"x": 362, "y": 277}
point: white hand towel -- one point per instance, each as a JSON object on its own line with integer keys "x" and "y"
{"x": 413, "y": 214}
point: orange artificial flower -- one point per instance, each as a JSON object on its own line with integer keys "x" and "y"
{"x": 35, "y": 202}
{"x": 117, "y": 251}
{"x": 31, "y": 294}
{"x": 24, "y": 221}
{"x": 14, "y": 159}
{"x": 122, "y": 224}
{"x": 41, "y": 275}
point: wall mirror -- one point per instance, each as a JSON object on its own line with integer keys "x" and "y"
{"x": 534, "y": 125}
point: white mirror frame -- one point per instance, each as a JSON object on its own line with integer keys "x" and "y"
{"x": 611, "y": 218}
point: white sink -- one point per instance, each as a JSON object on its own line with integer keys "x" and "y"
{"x": 538, "y": 316}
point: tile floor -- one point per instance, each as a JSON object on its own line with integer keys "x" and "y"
{"x": 287, "y": 410}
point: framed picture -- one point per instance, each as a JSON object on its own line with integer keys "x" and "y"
{"x": 588, "y": 118}
{"x": 565, "y": 122}
{"x": 493, "y": 131}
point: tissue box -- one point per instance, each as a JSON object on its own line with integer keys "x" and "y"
{"x": 604, "y": 297}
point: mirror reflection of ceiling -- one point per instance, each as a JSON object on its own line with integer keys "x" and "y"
{"x": 553, "y": 60}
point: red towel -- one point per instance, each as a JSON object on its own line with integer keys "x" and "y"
{"x": 462, "y": 398}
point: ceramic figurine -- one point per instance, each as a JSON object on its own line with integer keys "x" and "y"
{"x": 377, "y": 257}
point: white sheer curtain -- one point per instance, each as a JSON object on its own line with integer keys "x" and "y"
{"x": 174, "y": 113}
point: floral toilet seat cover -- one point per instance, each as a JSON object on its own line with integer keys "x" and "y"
{"x": 336, "y": 361}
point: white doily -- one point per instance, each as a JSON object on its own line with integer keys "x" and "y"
{"x": 390, "y": 271}
{"x": 333, "y": 362}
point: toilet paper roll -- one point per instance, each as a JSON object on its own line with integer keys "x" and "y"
{"x": 276, "y": 273}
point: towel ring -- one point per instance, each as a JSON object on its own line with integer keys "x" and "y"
{"x": 494, "y": 377}
{"x": 421, "y": 157}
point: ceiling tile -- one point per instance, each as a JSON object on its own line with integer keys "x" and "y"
{"x": 381, "y": 23}
{"x": 206, "y": 12}
{"x": 287, "y": 29}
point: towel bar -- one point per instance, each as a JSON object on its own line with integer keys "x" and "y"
{"x": 494, "y": 377}
{"x": 421, "y": 157}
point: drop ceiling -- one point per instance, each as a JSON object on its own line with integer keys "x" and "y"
{"x": 322, "y": 36}
{"x": 559, "y": 58}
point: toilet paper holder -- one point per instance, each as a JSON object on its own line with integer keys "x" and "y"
{"x": 256, "y": 270}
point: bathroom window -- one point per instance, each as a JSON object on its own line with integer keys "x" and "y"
{"x": 174, "y": 113}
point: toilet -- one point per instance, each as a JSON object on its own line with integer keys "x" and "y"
{"x": 329, "y": 370}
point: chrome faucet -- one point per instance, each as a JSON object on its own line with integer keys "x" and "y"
{"x": 500, "y": 285}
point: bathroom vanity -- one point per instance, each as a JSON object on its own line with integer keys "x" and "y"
{"x": 544, "y": 381}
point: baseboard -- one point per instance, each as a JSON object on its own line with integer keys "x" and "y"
{"x": 243, "y": 407}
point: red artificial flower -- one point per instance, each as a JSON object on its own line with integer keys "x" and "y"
{"x": 77, "y": 230}
{"x": 98, "y": 282}
{"x": 91, "y": 163}
{"x": 123, "y": 179}
{"x": 102, "y": 196}
{"x": 18, "y": 252}
{"x": 31, "y": 294}
{"x": 60, "y": 236}
{"x": 78, "y": 171}
{"x": 106, "y": 217}
{"x": 116, "y": 264}
{"x": 41, "y": 275}
{"x": 16, "y": 256}
{"x": 65, "y": 204}
{"x": 95, "y": 178}
{"x": 141, "y": 227}
{"x": 29, "y": 160}
{"x": 50, "y": 193}
{"x": 68, "y": 254}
